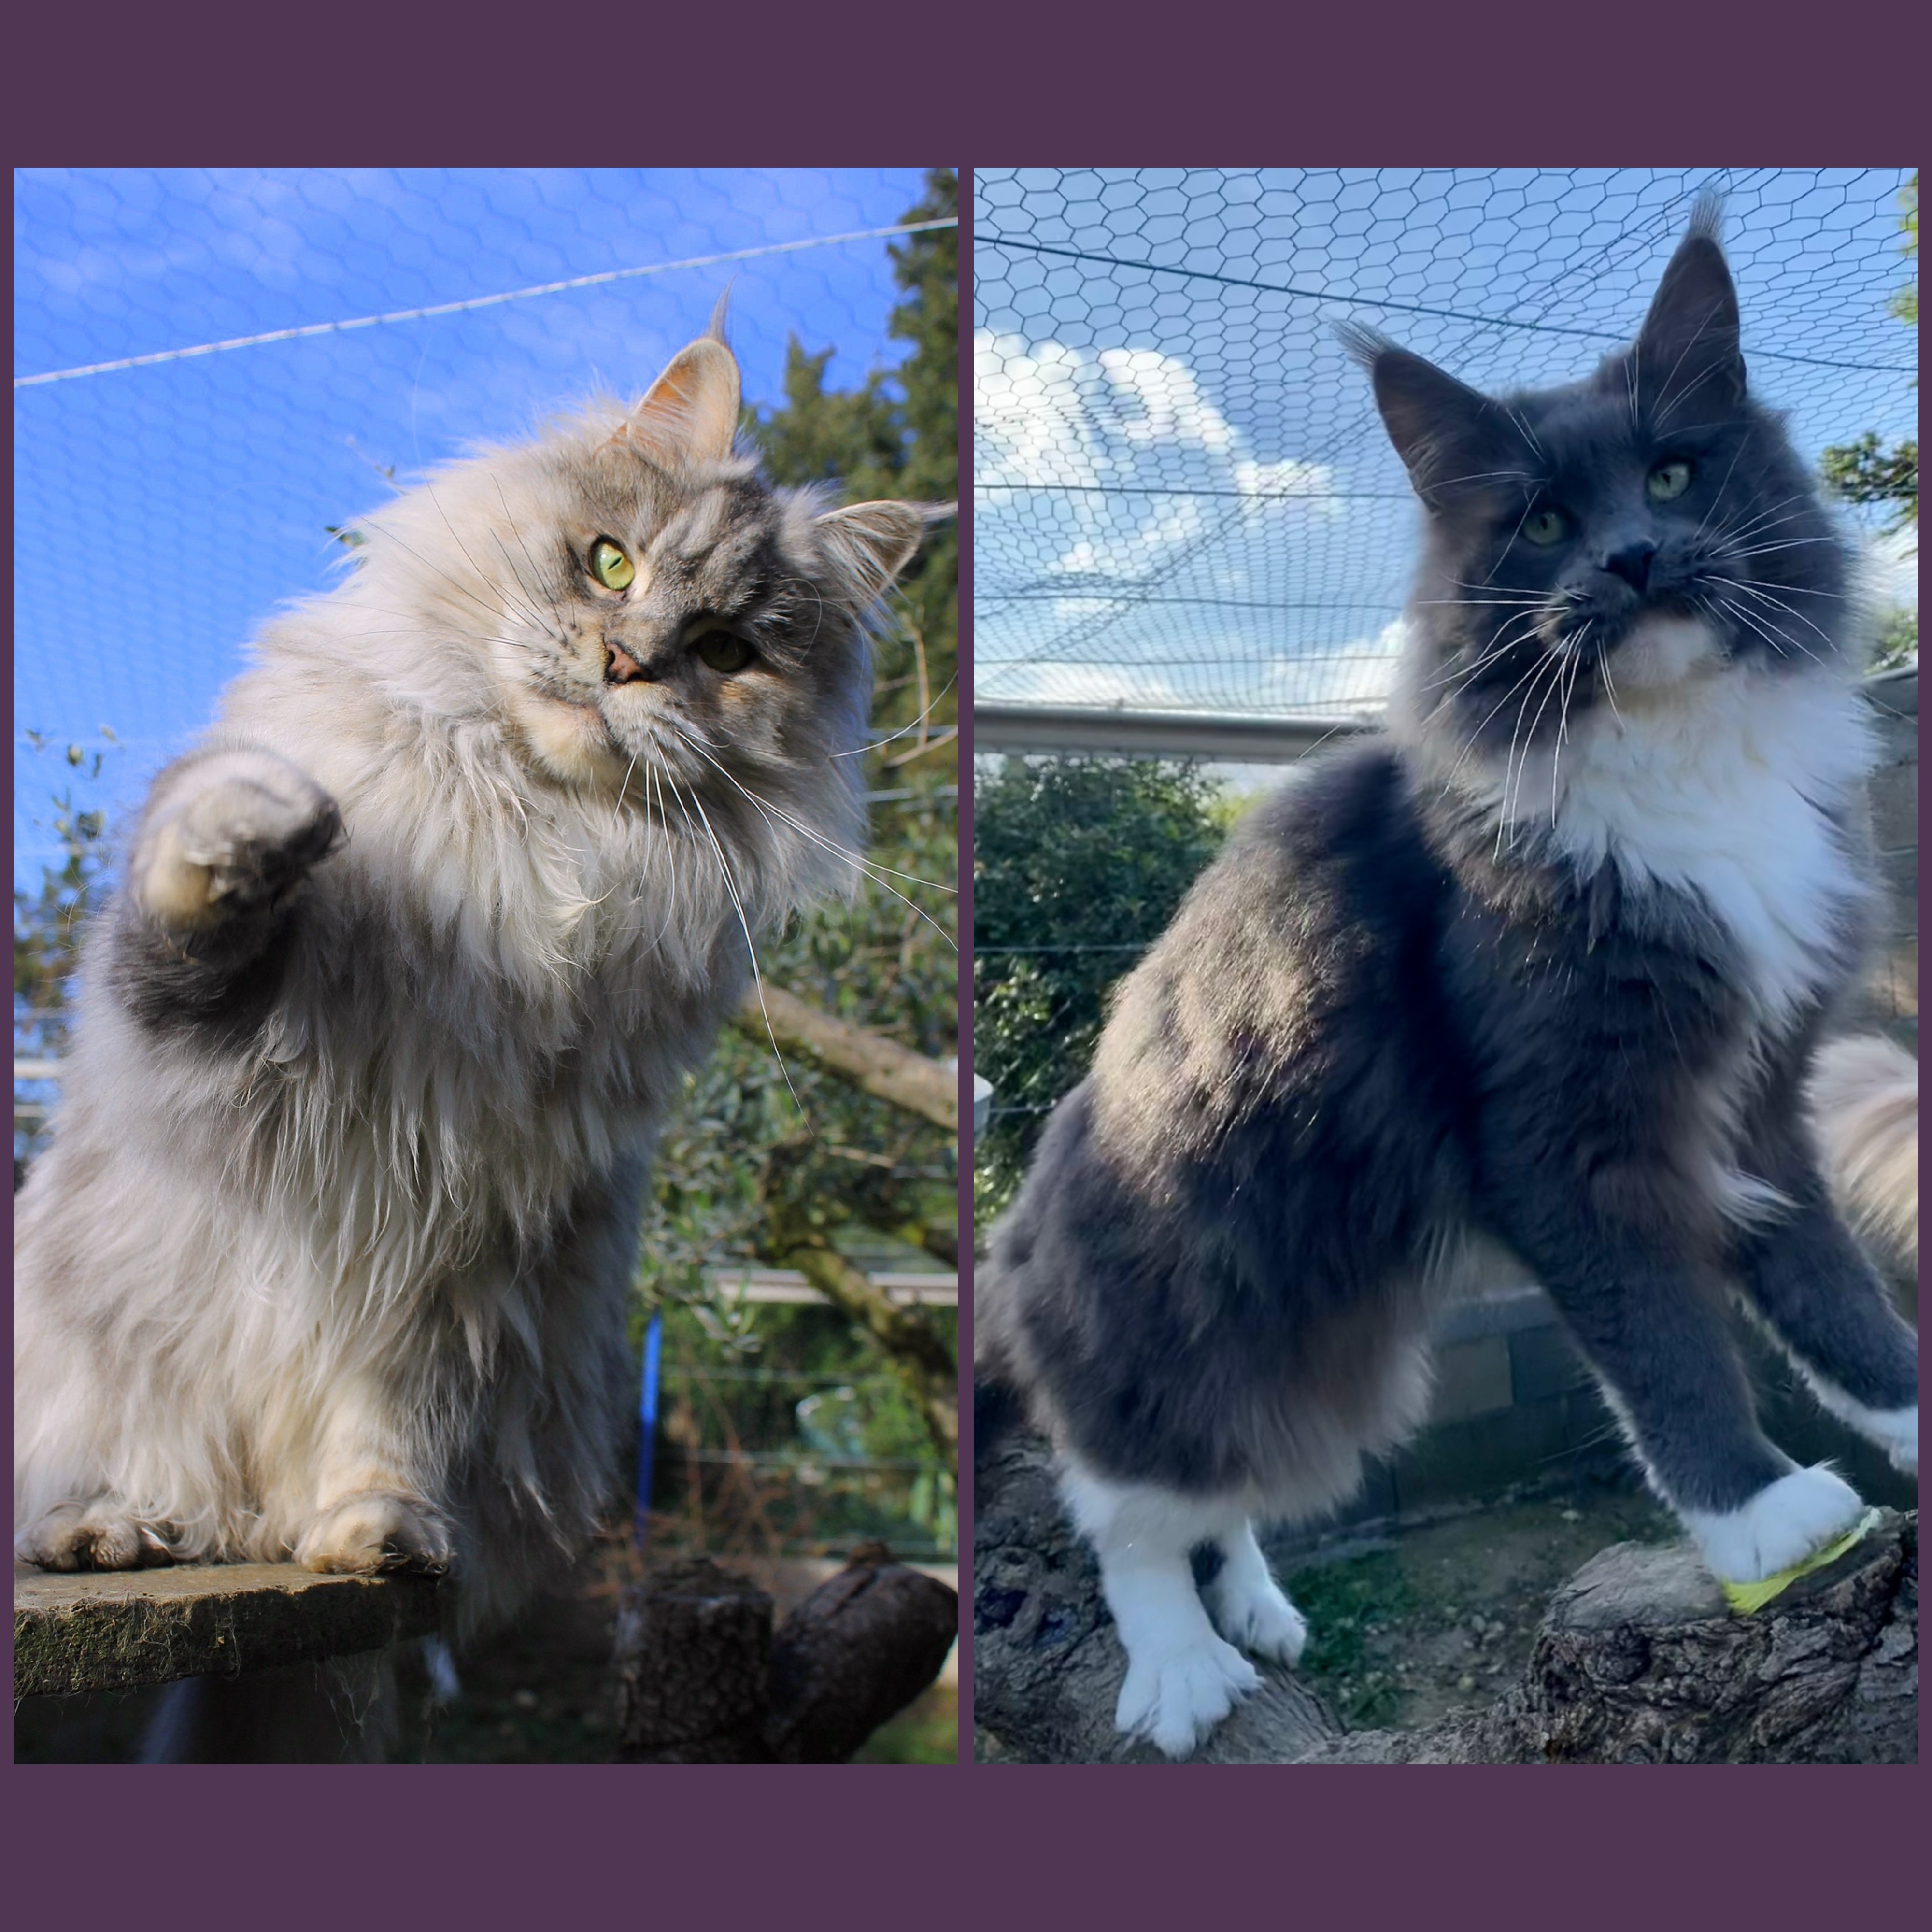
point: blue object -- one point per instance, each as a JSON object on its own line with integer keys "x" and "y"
{"x": 647, "y": 1432}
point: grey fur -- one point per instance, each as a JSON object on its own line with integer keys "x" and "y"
{"x": 1475, "y": 983}
{"x": 330, "y": 1253}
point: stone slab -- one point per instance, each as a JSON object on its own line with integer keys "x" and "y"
{"x": 111, "y": 1630}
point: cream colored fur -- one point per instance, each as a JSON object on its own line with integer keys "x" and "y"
{"x": 350, "y": 1286}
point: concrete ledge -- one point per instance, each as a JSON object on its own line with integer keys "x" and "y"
{"x": 111, "y": 1630}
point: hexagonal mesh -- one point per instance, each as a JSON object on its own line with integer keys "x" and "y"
{"x": 164, "y": 510}
{"x": 1183, "y": 499}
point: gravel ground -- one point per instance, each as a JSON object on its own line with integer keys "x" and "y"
{"x": 1423, "y": 1622}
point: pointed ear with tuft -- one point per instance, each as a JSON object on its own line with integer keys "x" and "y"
{"x": 689, "y": 415}
{"x": 869, "y": 544}
{"x": 1452, "y": 439}
{"x": 1689, "y": 340}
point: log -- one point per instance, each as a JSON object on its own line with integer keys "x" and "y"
{"x": 702, "y": 1679}
{"x": 1639, "y": 1659}
{"x": 114, "y": 1630}
{"x": 863, "y": 1645}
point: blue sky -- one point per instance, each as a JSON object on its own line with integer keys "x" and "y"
{"x": 161, "y": 513}
{"x": 1183, "y": 497}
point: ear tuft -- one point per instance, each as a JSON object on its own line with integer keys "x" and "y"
{"x": 1449, "y": 436}
{"x": 1690, "y": 339}
{"x": 689, "y": 415}
{"x": 869, "y": 544}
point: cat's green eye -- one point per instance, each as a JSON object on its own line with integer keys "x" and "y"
{"x": 610, "y": 565}
{"x": 724, "y": 651}
{"x": 1667, "y": 481}
{"x": 1547, "y": 527}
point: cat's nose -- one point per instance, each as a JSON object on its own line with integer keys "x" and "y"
{"x": 1632, "y": 562}
{"x": 619, "y": 667}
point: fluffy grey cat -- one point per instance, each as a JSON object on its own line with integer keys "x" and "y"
{"x": 328, "y": 1257}
{"x": 1543, "y": 967}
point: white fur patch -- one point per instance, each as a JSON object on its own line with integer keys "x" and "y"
{"x": 1786, "y": 1522}
{"x": 1895, "y": 1430}
{"x": 1719, "y": 783}
{"x": 1182, "y": 1679}
{"x": 1250, "y": 1608}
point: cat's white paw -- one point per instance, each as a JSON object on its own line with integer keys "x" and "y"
{"x": 1786, "y": 1522}
{"x": 231, "y": 831}
{"x": 99, "y": 1535}
{"x": 375, "y": 1530}
{"x": 1176, "y": 1695}
{"x": 1250, "y": 1608}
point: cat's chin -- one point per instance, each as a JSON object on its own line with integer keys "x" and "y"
{"x": 570, "y": 741}
{"x": 1660, "y": 652}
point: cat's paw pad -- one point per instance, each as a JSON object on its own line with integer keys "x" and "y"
{"x": 1786, "y": 1522}
{"x": 1175, "y": 1696}
{"x": 234, "y": 831}
{"x": 377, "y": 1530}
{"x": 99, "y": 1535}
{"x": 1254, "y": 1611}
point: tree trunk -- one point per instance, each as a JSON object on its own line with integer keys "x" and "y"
{"x": 1639, "y": 1661}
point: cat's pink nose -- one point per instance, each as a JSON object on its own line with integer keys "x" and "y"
{"x": 619, "y": 667}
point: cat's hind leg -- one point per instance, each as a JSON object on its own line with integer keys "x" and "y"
{"x": 1182, "y": 1678}
{"x": 1825, "y": 1303}
{"x": 1249, "y": 1607}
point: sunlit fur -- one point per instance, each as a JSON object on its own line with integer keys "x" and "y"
{"x": 331, "y": 1256}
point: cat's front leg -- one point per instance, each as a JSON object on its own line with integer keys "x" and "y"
{"x": 227, "y": 837}
{"x": 375, "y": 1497}
{"x": 1182, "y": 1679}
{"x": 1652, "y": 1325}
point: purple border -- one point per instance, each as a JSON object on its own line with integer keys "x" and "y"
{"x": 769, "y": 86}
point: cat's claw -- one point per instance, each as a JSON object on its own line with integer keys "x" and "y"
{"x": 99, "y": 1535}
{"x": 234, "y": 830}
{"x": 377, "y": 1530}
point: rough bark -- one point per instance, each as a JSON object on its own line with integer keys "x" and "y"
{"x": 1639, "y": 1661}
{"x": 703, "y": 1680}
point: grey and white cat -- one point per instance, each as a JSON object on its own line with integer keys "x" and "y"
{"x": 328, "y": 1256}
{"x": 1543, "y": 967}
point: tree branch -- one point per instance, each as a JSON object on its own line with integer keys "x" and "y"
{"x": 870, "y": 1061}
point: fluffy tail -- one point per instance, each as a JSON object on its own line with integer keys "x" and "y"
{"x": 1865, "y": 1105}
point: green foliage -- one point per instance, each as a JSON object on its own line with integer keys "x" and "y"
{"x": 1861, "y": 472}
{"x": 1078, "y": 864}
{"x": 48, "y": 924}
{"x": 1898, "y": 641}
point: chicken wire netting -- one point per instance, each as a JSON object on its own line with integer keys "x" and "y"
{"x": 166, "y": 503}
{"x": 1183, "y": 499}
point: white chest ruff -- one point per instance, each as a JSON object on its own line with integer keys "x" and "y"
{"x": 1722, "y": 785}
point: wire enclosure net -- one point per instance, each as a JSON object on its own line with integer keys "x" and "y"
{"x": 162, "y": 511}
{"x": 1184, "y": 498}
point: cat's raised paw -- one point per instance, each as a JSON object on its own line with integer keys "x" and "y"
{"x": 377, "y": 1530}
{"x": 230, "y": 831}
{"x": 99, "y": 1535}
{"x": 1175, "y": 1696}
